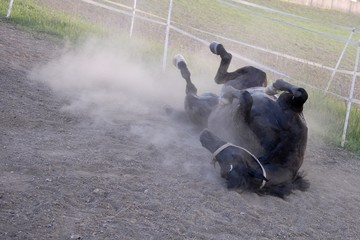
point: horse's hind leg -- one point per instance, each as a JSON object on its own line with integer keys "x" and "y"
{"x": 198, "y": 108}
{"x": 222, "y": 75}
{"x": 242, "y": 78}
{"x": 180, "y": 63}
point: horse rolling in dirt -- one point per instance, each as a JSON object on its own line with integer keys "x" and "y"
{"x": 258, "y": 139}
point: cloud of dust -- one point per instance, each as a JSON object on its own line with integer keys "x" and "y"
{"x": 316, "y": 127}
{"x": 107, "y": 81}
{"x": 102, "y": 79}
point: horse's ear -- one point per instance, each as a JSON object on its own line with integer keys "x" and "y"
{"x": 244, "y": 107}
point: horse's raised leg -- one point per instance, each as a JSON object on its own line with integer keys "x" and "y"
{"x": 222, "y": 74}
{"x": 245, "y": 77}
{"x": 198, "y": 108}
{"x": 293, "y": 95}
{"x": 180, "y": 63}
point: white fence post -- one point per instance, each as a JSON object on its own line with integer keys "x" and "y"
{"x": 9, "y": 9}
{"x": 133, "y": 19}
{"x": 339, "y": 61}
{"x": 167, "y": 35}
{"x": 343, "y": 139}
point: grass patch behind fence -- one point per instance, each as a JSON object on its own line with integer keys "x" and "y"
{"x": 326, "y": 115}
{"x": 328, "y": 112}
{"x": 42, "y": 20}
{"x": 296, "y": 37}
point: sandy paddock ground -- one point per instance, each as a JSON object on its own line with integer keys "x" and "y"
{"x": 87, "y": 155}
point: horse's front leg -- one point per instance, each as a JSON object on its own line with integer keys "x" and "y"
{"x": 298, "y": 95}
{"x": 281, "y": 85}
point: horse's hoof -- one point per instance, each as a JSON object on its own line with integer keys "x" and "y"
{"x": 218, "y": 49}
{"x": 178, "y": 59}
{"x": 213, "y": 47}
{"x": 271, "y": 90}
{"x": 224, "y": 101}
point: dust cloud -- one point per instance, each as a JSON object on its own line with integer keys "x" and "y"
{"x": 103, "y": 78}
{"x": 109, "y": 83}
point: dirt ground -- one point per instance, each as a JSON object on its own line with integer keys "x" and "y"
{"x": 136, "y": 174}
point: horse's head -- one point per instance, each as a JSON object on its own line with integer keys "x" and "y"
{"x": 236, "y": 165}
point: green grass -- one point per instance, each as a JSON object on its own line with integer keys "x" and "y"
{"x": 324, "y": 16}
{"x": 42, "y": 20}
{"x": 258, "y": 29}
{"x": 327, "y": 117}
{"x": 327, "y": 113}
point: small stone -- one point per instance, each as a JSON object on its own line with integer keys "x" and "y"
{"x": 100, "y": 192}
{"x": 75, "y": 236}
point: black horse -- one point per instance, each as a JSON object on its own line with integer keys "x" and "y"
{"x": 258, "y": 138}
